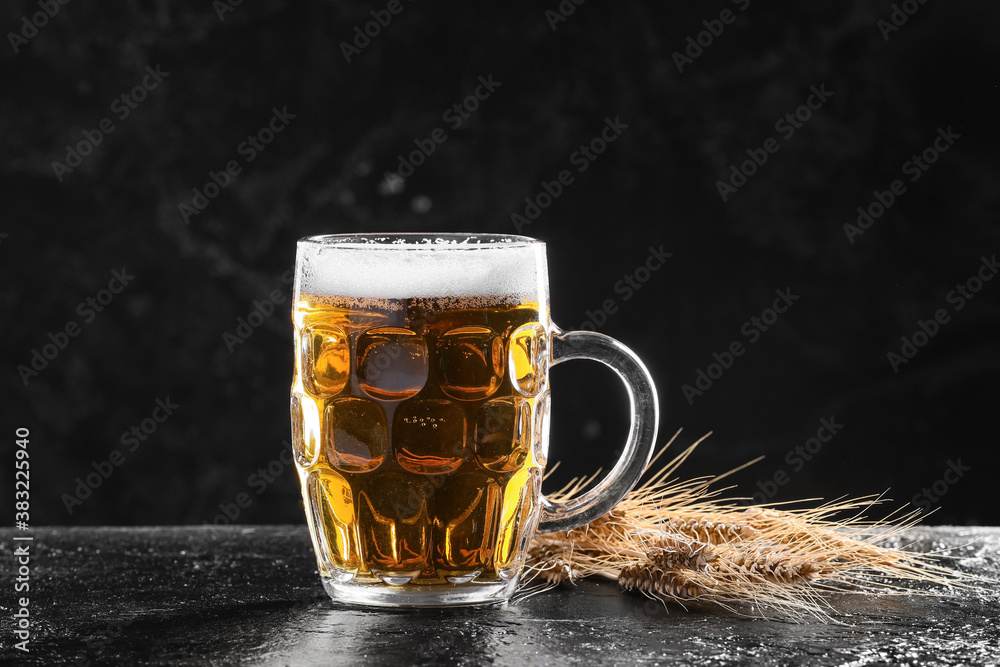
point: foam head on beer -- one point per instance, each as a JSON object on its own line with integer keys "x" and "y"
{"x": 416, "y": 266}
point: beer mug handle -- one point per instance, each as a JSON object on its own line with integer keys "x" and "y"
{"x": 566, "y": 345}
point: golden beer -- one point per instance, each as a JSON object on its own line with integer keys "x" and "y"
{"x": 419, "y": 429}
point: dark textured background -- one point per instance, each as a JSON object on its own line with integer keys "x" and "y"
{"x": 826, "y": 357}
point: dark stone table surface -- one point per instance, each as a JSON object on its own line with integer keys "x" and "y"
{"x": 251, "y": 595}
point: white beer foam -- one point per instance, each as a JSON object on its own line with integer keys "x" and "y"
{"x": 425, "y": 270}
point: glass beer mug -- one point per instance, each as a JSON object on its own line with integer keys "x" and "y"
{"x": 420, "y": 413}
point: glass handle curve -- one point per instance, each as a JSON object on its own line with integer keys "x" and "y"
{"x": 567, "y": 345}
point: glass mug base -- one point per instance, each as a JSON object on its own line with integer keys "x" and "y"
{"x": 416, "y": 595}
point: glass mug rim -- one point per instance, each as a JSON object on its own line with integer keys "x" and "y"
{"x": 431, "y": 241}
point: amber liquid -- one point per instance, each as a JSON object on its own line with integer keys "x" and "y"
{"x": 420, "y": 432}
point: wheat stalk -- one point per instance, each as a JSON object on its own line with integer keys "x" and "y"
{"x": 677, "y": 541}
{"x": 711, "y": 528}
{"x": 672, "y": 553}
